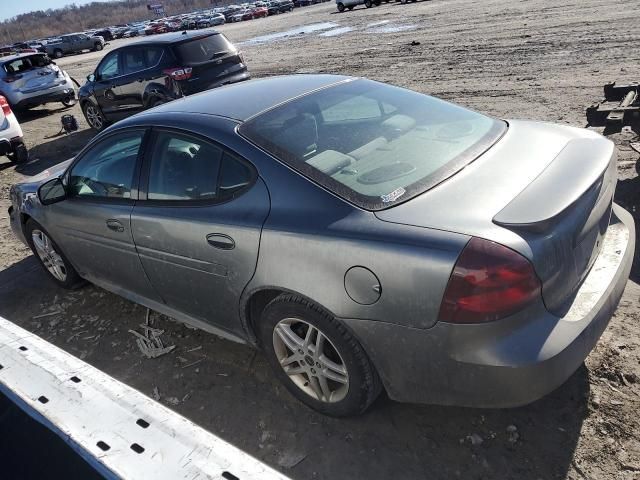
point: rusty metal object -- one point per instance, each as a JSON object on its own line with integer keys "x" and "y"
{"x": 619, "y": 108}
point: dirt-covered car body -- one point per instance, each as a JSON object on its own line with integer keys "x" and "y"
{"x": 476, "y": 261}
{"x": 32, "y": 79}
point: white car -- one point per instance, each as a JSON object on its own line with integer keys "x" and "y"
{"x": 11, "y": 142}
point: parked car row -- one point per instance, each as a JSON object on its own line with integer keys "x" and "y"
{"x": 343, "y": 5}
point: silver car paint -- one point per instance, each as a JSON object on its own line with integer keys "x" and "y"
{"x": 311, "y": 238}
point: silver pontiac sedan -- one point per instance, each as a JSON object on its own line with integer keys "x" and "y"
{"x": 364, "y": 236}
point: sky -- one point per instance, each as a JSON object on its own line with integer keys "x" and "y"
{"x": 11, "y": 8}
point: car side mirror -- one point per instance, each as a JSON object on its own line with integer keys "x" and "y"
{"x": 91, "y": 77}
{"x": 52, "y": 192}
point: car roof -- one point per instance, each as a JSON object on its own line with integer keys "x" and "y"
{"x": 241, "y": 101}
{"x": 173, "y": 37}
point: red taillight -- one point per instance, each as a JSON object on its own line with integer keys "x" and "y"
{"x": 178, "y": 73}
{"x": 6, "y": 108}
{"x": 489, "y": 282}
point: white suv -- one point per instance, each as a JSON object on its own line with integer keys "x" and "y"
{"x": 11, "y": 142}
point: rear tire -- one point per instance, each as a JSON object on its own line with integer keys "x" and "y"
{"x": 57, "y": 53}
{"x": 332, "y": 374}
{"x": 368, "y": 3}
{"x": 98, "y": 47}
{"x": 58, "y": 268}
{"x": 341, "y": 7}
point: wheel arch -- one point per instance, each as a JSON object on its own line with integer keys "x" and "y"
{"x": 254, "y": 302}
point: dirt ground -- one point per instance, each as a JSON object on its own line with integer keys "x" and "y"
{"x": 536, "y": 59}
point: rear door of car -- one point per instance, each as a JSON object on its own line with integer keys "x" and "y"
{"x": 197, "y": 225}
{"x": 142, "y": 75}
{"x": 212, "y": 58}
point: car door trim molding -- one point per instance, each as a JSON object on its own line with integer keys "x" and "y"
{"x": 182, "y": 261}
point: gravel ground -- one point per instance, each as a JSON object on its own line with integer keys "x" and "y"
{"x": 536, "y": 59}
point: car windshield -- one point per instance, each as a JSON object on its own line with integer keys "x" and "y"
{"x": 373, "y": 144}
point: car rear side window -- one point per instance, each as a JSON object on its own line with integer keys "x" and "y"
{"x": 183, "y": 168}
{"x": 106, "y": 170}
{"x": 203, "y": 49}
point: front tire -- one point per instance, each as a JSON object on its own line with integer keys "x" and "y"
{"x": 316, "y": 358}
{"x": 58, "y": 268}
{"x": 93, "y": 116}
{"x": 98, "y": 47}
{"x": 57, "y": 53}
{"x": 341, "y": 7}
{"x": 368, "y": 3}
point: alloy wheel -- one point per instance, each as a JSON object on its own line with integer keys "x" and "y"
{"x": 51, "y": 259}
{"x": 94, "y": 117}
{"x": 310, "y": 360}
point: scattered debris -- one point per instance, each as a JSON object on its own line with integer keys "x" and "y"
{"x": 414, "y": 43}
{"x": 48, "y": 314}
{"x": 150, "y": 343}
{"x": 290, "y": 459}
{"x": 156, "y": 394}
{"x": 199, "y": 347}
{"x": 192, "y": 363}
{"x": 595, "y": 400}
{"x": 474, "y": 439}
{"x": 172, "y": 401}
{"x": 512, "y": 434}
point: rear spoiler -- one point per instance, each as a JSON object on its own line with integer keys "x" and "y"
{"x": 575, "y": 169}
{"x": 119, "y": 431}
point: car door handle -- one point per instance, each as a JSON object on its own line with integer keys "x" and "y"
{"x": 221, "y": 241}
{"x": 115, "y": 225}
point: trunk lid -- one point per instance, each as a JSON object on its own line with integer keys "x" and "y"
{"x": 543, "y": 190}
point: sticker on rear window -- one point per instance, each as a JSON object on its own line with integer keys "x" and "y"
{"x": 390, "y": 197}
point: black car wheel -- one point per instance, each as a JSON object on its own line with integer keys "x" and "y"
{"x": 98, "y": 47}
{"x": 368, "y": 3}
{"x": 93, "y": 116}
{"x": 57, "y": 53}
{"x": 341, "y": 7}
{"x": 51, "y": 257}
{"x": 316, "y": 358}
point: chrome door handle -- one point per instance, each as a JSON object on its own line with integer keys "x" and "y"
{"x": 115, "y": 225}
{"x": 221, "y": 241}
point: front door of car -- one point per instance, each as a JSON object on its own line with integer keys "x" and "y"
{"x": 107, "y": 75}
{"x": 93, "y": 225}
{"x": 197, "y": 225}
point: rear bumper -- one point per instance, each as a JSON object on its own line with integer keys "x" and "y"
{"x": 510, "y": 362}
{"x": 55, "y": 94}
{"x": 236, "y": 77}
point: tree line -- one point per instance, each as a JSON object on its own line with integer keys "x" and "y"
{"x": 74, "y": 18}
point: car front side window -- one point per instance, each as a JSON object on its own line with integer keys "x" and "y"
{"x": 109, "y": 68}
{"x": 107, "y": 170}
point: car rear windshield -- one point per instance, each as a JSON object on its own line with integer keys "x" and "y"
{"x": 373, "y": 144}
{"x": 203, "y": 49}
{"x": 24, "y": 64}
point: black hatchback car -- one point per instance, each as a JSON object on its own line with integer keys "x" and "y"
{"x": 147, "y": 73}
